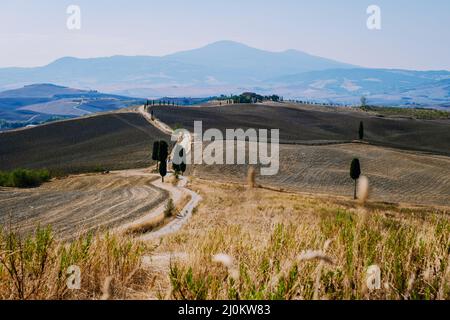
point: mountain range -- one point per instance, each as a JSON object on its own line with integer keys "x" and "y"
{"x": 227, "y": 67}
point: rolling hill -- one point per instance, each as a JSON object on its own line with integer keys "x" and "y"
{"x": 111, "y": 141}
{"x": 301, "y": 125}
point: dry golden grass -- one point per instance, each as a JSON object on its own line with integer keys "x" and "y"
{"x": 147, "y": 226}
{"x": 37, "y": 267}
{"x": 290, "y": 246}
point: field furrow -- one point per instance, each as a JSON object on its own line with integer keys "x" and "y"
{"x": 82, "y": 203}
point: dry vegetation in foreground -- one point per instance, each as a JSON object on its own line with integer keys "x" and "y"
{"x": 36, "y": 267}
{"x": 260, "y": 244}
{"x": 247, "y": 243}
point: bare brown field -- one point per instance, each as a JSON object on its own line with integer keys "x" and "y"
{"x": 395, "y": 176}
{"x": 299, "y": 124}
{"x": 79, "y": 204}
{"x": 113, "y": 141}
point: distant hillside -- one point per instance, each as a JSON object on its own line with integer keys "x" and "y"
{"x": 45, "y": 90}
{"x": 228, "y": 67}
{"x": 37, "y": 103}
{"x": 381, "y": 86}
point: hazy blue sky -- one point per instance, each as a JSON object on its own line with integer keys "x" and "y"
{"x": 415, "y": 34}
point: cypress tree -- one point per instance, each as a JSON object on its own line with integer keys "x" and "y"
{"x": 361, "y": 131}
{"x": 355, "y": 172}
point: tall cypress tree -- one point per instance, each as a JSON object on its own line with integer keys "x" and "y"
{"x": 160, "y": 154}
{"x": 163, "y": 169}
{"x": 361, "y": 131}
{"x": 355, "y": 172}
{"x": 155, "y": 153}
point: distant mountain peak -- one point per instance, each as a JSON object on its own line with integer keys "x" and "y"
{"x": 65, "y": 60}
{"x": 229, "y": 43}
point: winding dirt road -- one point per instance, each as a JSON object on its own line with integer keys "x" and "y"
{"x": 184, "y": 140}
{"x": 182, "y": 218}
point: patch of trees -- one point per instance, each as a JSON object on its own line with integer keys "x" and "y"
{"x": 249, "y": 97}
{"x": 316, "y": 103}
{"x": 169, "y": 102}
{"x": 24, "y": 178}
{"x": 177, "y": 101}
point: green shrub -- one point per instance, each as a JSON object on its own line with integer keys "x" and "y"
{"x": 24, "y": 178}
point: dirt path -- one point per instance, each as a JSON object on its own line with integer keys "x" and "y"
{"x": 181, "y": 219}
{"x": 176, "y": 192}
{"x": 160, "y": 263}
{"x": 155, "y": 122}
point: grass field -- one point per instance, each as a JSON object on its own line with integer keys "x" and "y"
{"x": 36, "y": 267}
{"x": 113, "y": 141}
{"x": 307, "y": 125}
{"x": 289, "y": 246}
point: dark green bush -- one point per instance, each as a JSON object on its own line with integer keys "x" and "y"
{"x": 24, "y": 178}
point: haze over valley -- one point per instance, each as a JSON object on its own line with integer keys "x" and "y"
{"x": 227, "y": 67}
